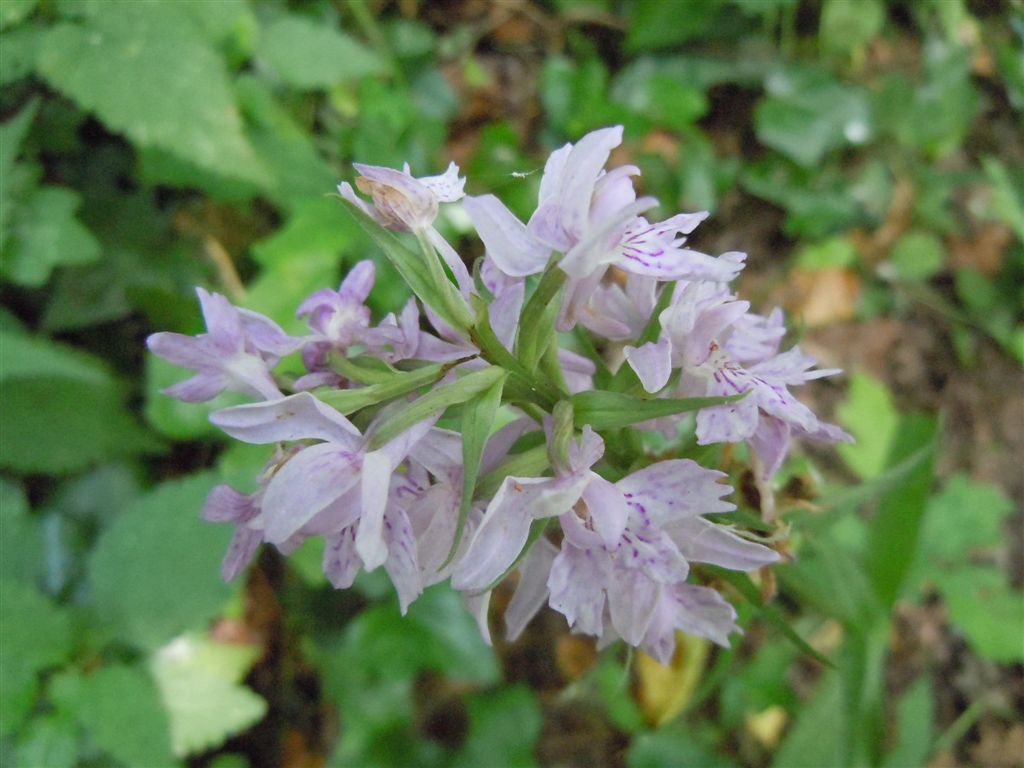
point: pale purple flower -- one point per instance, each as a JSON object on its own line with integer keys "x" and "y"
{"x": 593, "y": 218}
{"x": 329, "y": 485}
{"x": 235, "y": 353}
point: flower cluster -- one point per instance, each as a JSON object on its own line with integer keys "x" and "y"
{"x": 482, "y": 410}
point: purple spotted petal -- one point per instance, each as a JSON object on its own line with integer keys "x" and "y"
{"x": 341, "y": 563}
{"x": 402, "y": 565}
{"x": 447, "y": 187}
{"x": 674, "y": 489}
{"x": 577, "y": 587}
{"x": 204, "y": 386}
{"x": 501, "y": 536}
{"x": 307, "y": 483}
{"x": 632, "y": 598}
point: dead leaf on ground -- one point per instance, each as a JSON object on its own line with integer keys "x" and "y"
{"x": 824, "y": 296}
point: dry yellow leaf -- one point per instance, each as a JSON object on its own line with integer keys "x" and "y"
{"x": 663, "y": 692}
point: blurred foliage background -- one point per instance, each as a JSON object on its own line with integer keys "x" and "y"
{"x": 868, "y": 155}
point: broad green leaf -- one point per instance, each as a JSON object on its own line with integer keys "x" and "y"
{"x": 847, "y": 27}
{"x": 24, "y": 356}
{"x": 15, "y": 11}
{"x": 147, "y": 71}
{"x": 434, "y": 401}
{"x": 808, "y": 113}
{"x": 505, "y": 722}
{"x": 21, "y": 539}
{"x": 105, "y": 700}
{"x": 200, "y": 684}
{"x": 673, "y": 746}
{"x": 287, "y": 148}
{"x": 311, "y": 55}
{"x": 46, "y": 234}
{"x": 827, "y": 254}
{"x": 56, "y": 425}
{"x": 436, "y": 634}
{"x": 611, "y": 410}
{"x": 155, "y": 571}
{"x": 49, "y": 741}
{"x": 11, "y": 134}
{"x": 21, "y": 47}
{"x": 916, "y": 732}
{"x": 870, "y": 416}
{"x": 965, "y": 516}
{"x": 35, "y": 634}
{"x": 656, "y": 24}
{"x": 816, "y": 738}
{"x": 894, "y": 532}
{"x": 477, "y": 419}
{"x": 917, "y": 255}
{"x": 980, "y": 601}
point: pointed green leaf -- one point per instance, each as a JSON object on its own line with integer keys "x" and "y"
{"x": 537, "y": 327}
{"x": 611, "y": 410}
{"x": 893, "y": 535}
{"x": 477, "y": 419}
{"x": 769, "y": 612}
{"x": 424, "y": 275}
{"x": 458, "y": 391}
{"x": 351, "y": 400}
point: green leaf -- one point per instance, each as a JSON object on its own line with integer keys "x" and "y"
{"x": 537, "y": 326}
{"x": 21, "y": 47}
{"x": 15, "y": 11}
{"x": 48, "y": 741}
{"x": 769, "y": 612}
{"x": 870, "y": 416}
{"x": 45, "y": 235}
{"x": 504, "y": 722}
{"x": 421, "y": 271}
{"x": 199, "y": 681}
{"x": 965, "y": 516}
{"x": 309, "y": 55}
{"x": 437, "y": 399}
{"x": 656, "y": 24}
{"x": 35, "y": 634}
{"x": 915, "y": 718}
{"x": 147, "y": 71}
{"x": 827, "y": 254}
{"x": 436, "y": 634}
{"x": 56, "y": 425}
{"x": 155, "y": 571}
{"x": 816, "y": 738}
{"x": 917, "y": 255}
{"x": 611, "y": 410}
{"x": 107, "y": 699}
{"x": 808, "y": 113}
{"x": 988, "y": 610}
{"x": 350, "y": 400}
{"x": 672, "y": 746}
{"x": 11, "y": 134}
{"x": 24, "y": 356}
{"x": 21, "y": 540}
{"x": 847, "y": 27}
{"x": 477, "y": 419}
{"x": 894, "y": 532}
{"x": 1007, "y": 198}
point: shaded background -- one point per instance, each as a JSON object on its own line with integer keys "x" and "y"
{"x": 866, "y": 154}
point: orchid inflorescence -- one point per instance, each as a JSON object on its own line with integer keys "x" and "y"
{"x": 477, "y": 449}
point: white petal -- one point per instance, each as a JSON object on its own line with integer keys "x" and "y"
{"x": 376, "y": 479}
